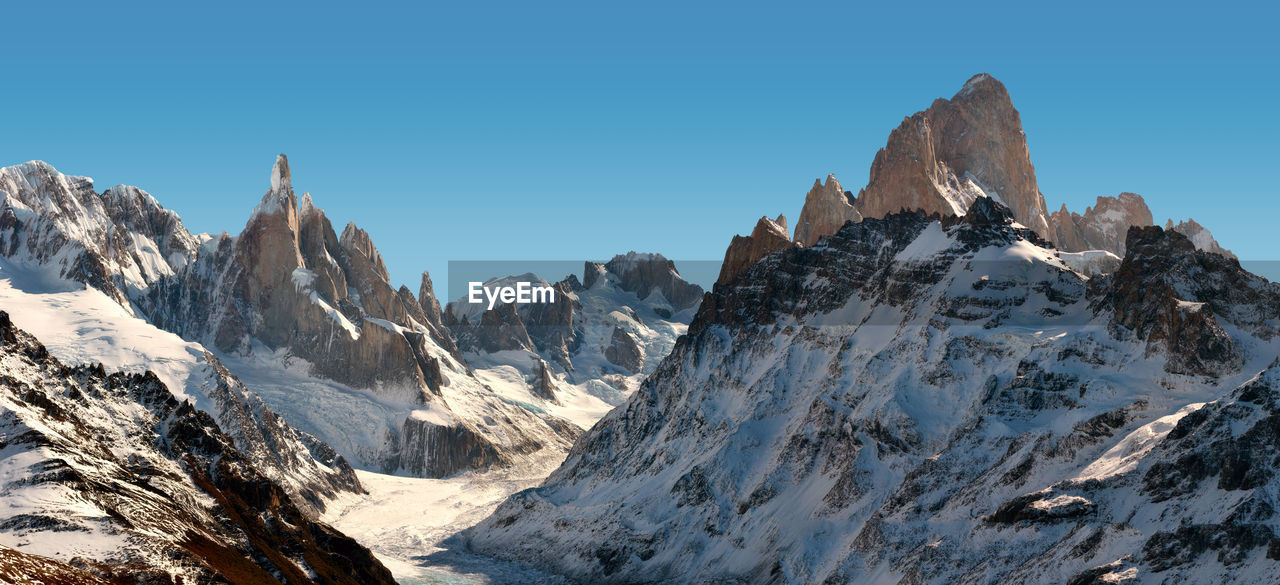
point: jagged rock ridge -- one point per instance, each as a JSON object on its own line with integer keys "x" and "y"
{"x": 941, "y": 159}
{"x": 287, "y": 294}
{"x": 935, "y": 400}
{"x": 768, "y": 236}
{"x": 602, "y": 334}
{"x": 110, "y": 473}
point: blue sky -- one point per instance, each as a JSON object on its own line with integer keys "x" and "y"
{"x": 566, "y": 131}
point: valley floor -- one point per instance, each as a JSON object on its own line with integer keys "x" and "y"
{"x": 404, "y": 521}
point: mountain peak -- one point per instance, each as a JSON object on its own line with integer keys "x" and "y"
{"x": 940, "y": 159}
{"x": 280, "y": 173}
{"x": 981, "y": 83}
{"x": 826, "y": 209}
{"x": 306, "y": 206}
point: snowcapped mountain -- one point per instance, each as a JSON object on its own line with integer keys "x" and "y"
{"x": 119, "y": 241}
{"x": 587, "y": 351}
{"x": 83, "y": 326}
{"x": 936, "y": 399}
{"x": 305, "y": 317}
{"x": 943, "y": 158}
{"x": 109, "y": 477}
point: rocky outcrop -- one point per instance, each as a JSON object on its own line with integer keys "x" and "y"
{"x": 556, "y": 329}
{"x": 945, "y": 401}
{"x": 1171, "y": 295}
{"x": 1104, "y": 226}
{"x": 543, "y": 383}
{"x": 768, "y": 237}
{"x": 644, "y": 274}
{"x": 18, "y": 567}
{"x": 1199, "y": 236}
{"x": 499, "y": 329}
{"x": 131, "y": 483}
{"x": 431, "y": 316}
{"x": 941, "y": 159}
{"x": 289, "y": 282}
{"x": 623, "y": 351}
{"x": 827, "y": 207}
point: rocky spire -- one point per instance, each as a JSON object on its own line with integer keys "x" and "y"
{"x": 427, "y": 298}
{"x": 939, "y": 159}
{"x": 942, "y": 159}
{"x": 1103, "y": 226}
{"x": 768, "y": 236}
{"x": 826, "y": 208}
{"x": 280, "y": 174}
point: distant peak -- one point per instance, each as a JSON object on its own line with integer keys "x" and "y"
{"x": 280, "y": 173}
{"x": 306, "y": 206}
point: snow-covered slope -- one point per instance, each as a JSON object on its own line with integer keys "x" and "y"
{"x": 111, "y": 473}
{"x": 584, "y": 354}
{"x": 306, "y": 317}
{"x": 83, "y": 325}
{"x": 922, "y": 401}
{"x": 119, "y": 241}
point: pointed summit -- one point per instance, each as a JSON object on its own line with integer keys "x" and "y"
{"x": 280, "y": 173}
{"x": 940, "y": 159}
{"x": 826, "y": 209}
{"x": 769, "y": 236}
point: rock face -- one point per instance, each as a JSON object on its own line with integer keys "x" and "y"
{"x": 289, "y": 282}
{"x": 645, "y": 274}
{"x": 307, "y": 317}
{"x": 942, "y": 159}
{"x": 110, "y": 473}
{"x": 1103, "y": 226}
{"x": 942, "y": 400}
{"x": 136, "y": 243}
{"x": 624, "y": 352}
{"x": 119, "y": 241}
{"x": 1173, "y": 296}
{"x": 769, "y": 236}
{"x": 1199, "y": 236}
{"x": 827, "y": 207}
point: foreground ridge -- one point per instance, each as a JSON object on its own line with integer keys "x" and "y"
{"x": 150, "y": 487}
{"x": 936, "y": 400}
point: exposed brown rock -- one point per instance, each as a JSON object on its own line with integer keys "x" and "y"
{"x": 1144, "y": 302}
{"x": 1104, "y": 226}
{"x": 552, "y": 327}
{"x": 942, "y": 159}
{"x": 826, "y": 208}
{"x": 290, "y": 282}
{"x": 499, "y": 329}
{"x": 934, "y": 160}
{"x": 768, "y": 236}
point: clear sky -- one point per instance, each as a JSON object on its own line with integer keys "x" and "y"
{"x": 567, "y": 131}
